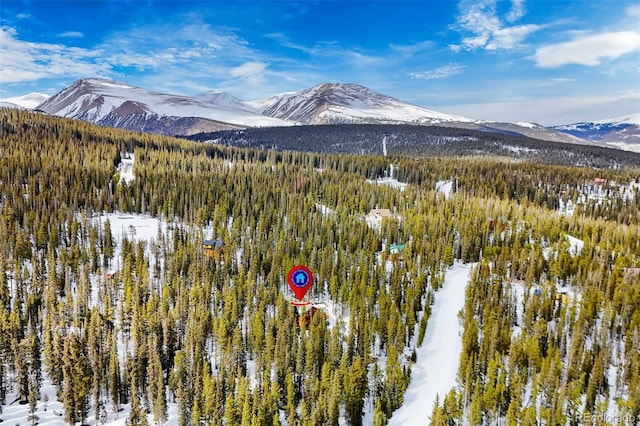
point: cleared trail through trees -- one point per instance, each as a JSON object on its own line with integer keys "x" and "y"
{"x": 434, "y": 373}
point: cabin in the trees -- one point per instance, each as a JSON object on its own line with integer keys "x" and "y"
{"x": 375, "y": 216}
{"x": 306, "y": 318}
{"x": 213, "y": 248}
{"x": 378, "y": 214}
{"x": 396, "y": 251}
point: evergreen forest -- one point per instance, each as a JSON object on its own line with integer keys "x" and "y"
{"x": 421, "y": 141}
{"x": 549, "y": 332}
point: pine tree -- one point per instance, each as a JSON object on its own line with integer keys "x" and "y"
{"x": 137, "y": 415}
{"x": 76, "y": 379}
{"x": 113, "y": 375}
{"x": 355, "y": 389}
{"x": 156, "y": 385}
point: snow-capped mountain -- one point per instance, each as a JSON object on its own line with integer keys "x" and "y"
{"x": 110, "y": 103}
{"x": 225, "y": 99}
{"x": 335, "y": 103}
{"x": 621, "y": 132}
{"x": 29, "y": 101}
{"x": 532, "y": 130}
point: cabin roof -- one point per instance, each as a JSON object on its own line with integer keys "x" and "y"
{"x": 213, "y": 243}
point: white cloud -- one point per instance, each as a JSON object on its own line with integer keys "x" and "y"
{"x": 411, "y": 49}
{"x": 285, "y": 42}
{"x": 488, "y": 30}
{"x": 360, "y": 60}
{"x": 156, "y": 47}
{"x": 249, "y": 69}
{"x": 509, "y": 38}
{"x": 251, "y": 72}
{"x": 588, "y": 49}
{"x": 437, "y": 73}
{"x": 29, "y": 61}
{"x": 633, "y": 11}
{"x": 516, "y": 12}
{"x": 71, "y": 34}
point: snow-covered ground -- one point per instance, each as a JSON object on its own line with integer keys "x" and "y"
{"x": 51, "y": 413}
{"x": 389, "y": 180}
{"x": 326, "y": 211}
{"x": 575, "y": 245}
{"x": 125, "y": 168}
{"x": 434, "y": 373}
{"x": 134, "y": 227}
{"x": 598, "y": 193}
{"x": 445, "y": 187}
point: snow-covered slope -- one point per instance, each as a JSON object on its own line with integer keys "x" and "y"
{"x": 333, "y": 103}
{"x": 29, "y": 101}
{"x": 5, "y": 104}
{"x": 626, "y": 119}
{"x": 111, "y": 103}
{"x": 532, "y": 130}
{"x": 620, "y": 132}
{"x": 226, "y": 100}
{"x": 434, "y": 374}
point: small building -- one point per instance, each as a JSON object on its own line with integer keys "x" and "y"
{"x": 599, "y": 181}
{"x": 378, "y": 214}
{"x": 396, "y": 251}
{"x": 375, "y": 216}
{"x": 305, "y": 319}
{"x": 396, "y": 248}
{"x": 213, "y": 248}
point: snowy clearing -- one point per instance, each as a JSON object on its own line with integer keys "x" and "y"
{"x": 445, "y": 187}
{"x": 434, "y": 373}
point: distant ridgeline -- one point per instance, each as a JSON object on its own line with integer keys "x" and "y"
{"x": 420, "y": 141}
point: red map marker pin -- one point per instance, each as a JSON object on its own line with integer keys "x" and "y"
{"x": 300, "y": 279}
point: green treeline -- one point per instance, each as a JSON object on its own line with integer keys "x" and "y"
{"x": 219, "y": 338}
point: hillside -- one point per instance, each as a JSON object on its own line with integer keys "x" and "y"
{"x": 421, "y": 141}
{"x": 109, "y": 302}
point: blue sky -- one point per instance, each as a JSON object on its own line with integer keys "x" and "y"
{"x": 551, "y": 62}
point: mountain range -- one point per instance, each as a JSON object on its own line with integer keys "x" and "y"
{"x": 110, "y": 103}
{"x": 620, "y": 132}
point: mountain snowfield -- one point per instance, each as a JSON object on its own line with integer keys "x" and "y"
{"x": 111, "y": 103}
{"x": 619, "y": 132}
{"x": 95, "y": 100}
{"x": 627, "y": 119}
{"x": 29, "y": 101}
{"x": 333, "y": 103}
